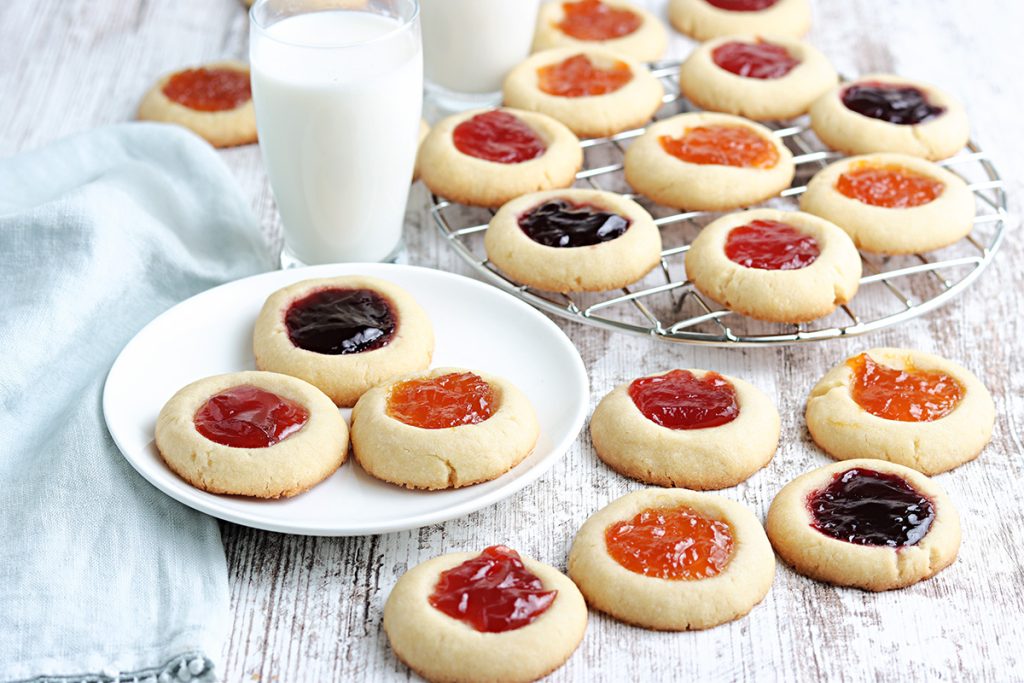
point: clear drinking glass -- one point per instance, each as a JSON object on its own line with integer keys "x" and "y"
{"x": 338, "y": 89}
{"x": 469, "y": 46}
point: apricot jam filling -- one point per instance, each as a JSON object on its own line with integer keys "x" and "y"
{"x": 679, "y": 544}
{"x": 341, "y": 321}
{"x": 760, "y": 60}
{"x": 577, "y": 76}
{"x": 452, "y": 400}
{"x": 908, "y": 395}
{"x": 595, "y": 20}
{"x": 499, "y": 137}
{"x": 680, "y": 400}
{"x": 890, "y": 186}
{"x": 249, "y": 417}
{"x": 771, "y": 245}
{"x": 493, "y": 592}
{"x": 891, "y": 102}
{"x": 722, "y": 145}
{"x": 209, "y": 89}
{"x": 742, "y": 5}
{"x": 871, "y": 508}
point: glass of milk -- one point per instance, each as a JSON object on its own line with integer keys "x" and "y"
{"x": 469, "y": 46}
{"x": 338, "y": 86}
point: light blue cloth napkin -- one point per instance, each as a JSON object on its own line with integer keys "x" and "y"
{"x": 102, "y": 577}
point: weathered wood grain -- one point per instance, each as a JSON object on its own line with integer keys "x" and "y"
{"x": 308, "y": 609}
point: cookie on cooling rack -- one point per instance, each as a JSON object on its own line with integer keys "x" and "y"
{"x": 424, "y": 129}
{"x": 343, "y": 334}
{"x": 593, "y": 91}
{"x": 865, "y": 523}
{"x": 446, "y": 428}
{"x": 892, "y": 203}
{"x": 611, "y": 24}
{"x": 762, "y": 78}
{"x": 908, "y": 407}
{"x": 257, "y": 434}
{"x": 573, "y": 240}
{"x": 707, "y": 19}
{"x": 213, "y": 101}
{"x": 709, "y": 162}
{"x": 626, "y": 560}
{"x": 886, "y": 113}
{"x": 489, "y": 616}
{"x": 693, "y": 429}
{"x": 780, "y": 266}
{"x": 488, "y": 156}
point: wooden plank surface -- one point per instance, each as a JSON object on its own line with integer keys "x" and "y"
{"x": 308, "y": 609}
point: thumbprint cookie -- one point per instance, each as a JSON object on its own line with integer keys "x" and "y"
{"x": 611, "y": 24}
{"x": 707, "y": 19}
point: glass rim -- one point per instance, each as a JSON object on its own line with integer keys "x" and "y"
{"x": 264, "y": 28}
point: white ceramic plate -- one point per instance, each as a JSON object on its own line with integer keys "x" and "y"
{"x": 476, "y": 325}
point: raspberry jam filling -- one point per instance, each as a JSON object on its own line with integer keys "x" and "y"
{"x": 594, "y": 20}
{"x": 771, "y": 245}
{"x": 209, "y": 89}
{"x": 871, "y": 508}
{"x": 340, "y": 321}
{"x": 499, "y": 137}
{"x": 438, "y": 402}
{"x": 680, "y": 400}
{"x": 742, "y": 5}
{"x": 562, "y": 223}
{"x": 890, "y": 186}
{"x": 754, "y": 60}
{"x": 722, "y": 145}
{"x": 671, "y": 543}
{"x": 493, "y": 592}
{"x": 908, "y": 395}
{"x": 579, "y": 77}
{"x": 249, "y": 417}
{"x": 900, "y": 104}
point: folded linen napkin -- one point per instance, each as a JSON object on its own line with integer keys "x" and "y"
{"x": 102, "y": 577}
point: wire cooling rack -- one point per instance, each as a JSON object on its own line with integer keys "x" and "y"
{"x": 665, "y": 304}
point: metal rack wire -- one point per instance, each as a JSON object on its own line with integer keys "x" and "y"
{"x": 665, "y": 304}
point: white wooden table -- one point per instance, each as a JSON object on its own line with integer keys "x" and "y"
{"x": 308, "y": 609}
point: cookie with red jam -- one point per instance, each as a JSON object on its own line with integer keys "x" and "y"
{"x": 707, "y": 19}
{"x": 612, "y": 24}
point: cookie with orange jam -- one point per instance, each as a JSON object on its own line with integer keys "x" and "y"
{"x": 672, "y": 560}
{"x": 708, "y": 162}
{"x": 611, "y": 24}
{"x": 908, "y": 407}
{"x": 594, "y": 91}
{"x": 446, "y": 428}
{"x": 760, "y": 77}
{"x": 865, "y": 523}
{"x": 214, "y": 101}
{"x": 707, "y": 19}
{"x": 892, "y": 203}
{"x": 257, "y": 434}
{"x": 487, "y": 157}
{"x": 780, "y": 266}
{"x": 487, "y": 616}
{"x": 693, "y": 429}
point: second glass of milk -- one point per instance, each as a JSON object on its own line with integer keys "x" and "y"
{"x": 470, "y": 45}
{"x": 338, "y": 87}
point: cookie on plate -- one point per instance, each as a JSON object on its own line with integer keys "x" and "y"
{"x": 213, "y": 101}
{"x": 693, "y": 429}
{"x": 707, "y": 19}
{"x": 257, "y": 434}
{"x": 343, "y": 334}
{"x": 627, "y": 562}
{"x": 708, "y": 162}
{"x": 487, "y": 157}
{"x": 593, "y": 91}
{"x": 446, "y": 428}
{"x": 761, "y": 78}
{"x": 612, "y": 24}
{"x": 865, "y": 523}
{"x": 908, "y": 407}
{"x": 892, "y": 203}
{"x": 780, "y": 266}
{"x": 573, "y": 240}
{"x": 490, "y": 616}
{"x": 886, "y": 113}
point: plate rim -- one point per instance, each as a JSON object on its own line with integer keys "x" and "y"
{"x": 213, "y": 507}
